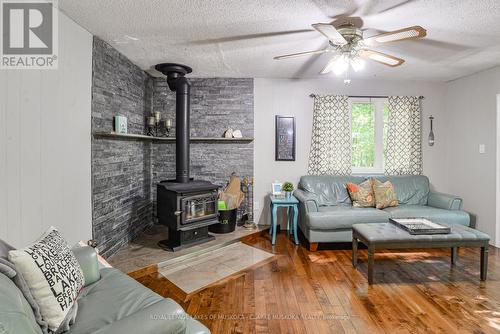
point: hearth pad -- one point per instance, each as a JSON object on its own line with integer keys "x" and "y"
{"x": 197, "y": 273}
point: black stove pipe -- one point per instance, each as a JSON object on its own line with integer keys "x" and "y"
{"x": 178, "y": 83}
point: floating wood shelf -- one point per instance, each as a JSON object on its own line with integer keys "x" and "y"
{"x": 129, "y": 136}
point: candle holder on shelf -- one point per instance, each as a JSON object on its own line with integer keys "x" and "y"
{"x": 167, "y": 124}
{"x": 158, "y": 127}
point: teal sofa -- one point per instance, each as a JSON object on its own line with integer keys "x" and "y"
{"x": 327, "y": 214}
{"x": 110, "y": 303}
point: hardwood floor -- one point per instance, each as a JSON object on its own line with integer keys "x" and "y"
{"x": 320, "y": 292}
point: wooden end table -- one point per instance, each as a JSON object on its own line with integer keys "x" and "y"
{"x": 388, "y": 236}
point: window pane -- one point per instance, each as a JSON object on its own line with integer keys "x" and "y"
{"x": 386, "y": 126}
{"x": 363, "y": 135}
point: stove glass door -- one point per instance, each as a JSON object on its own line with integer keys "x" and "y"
{"x": 198, "y": 207}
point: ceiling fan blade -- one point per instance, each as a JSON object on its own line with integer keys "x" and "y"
{"x": 372, "y": 8}
{"x": 395, "y": 36}
{"x": 330, "y": 32}
{"x": 366, "y": 8}
{"x": 306, "y": 66}
{"x": 381, "y": 58}
{"x": 300, "y": 54}
{"x": 249, "y": 36}
{"x": 334, "y": 9}
{"x": 387, "y": 9}
{"x": 329, "y": 66}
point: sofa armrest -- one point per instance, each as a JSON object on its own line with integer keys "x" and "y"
{"x": 444, "y": 201}
{"x": 307, "y": 199}
{"x": 163, "y": 317}
{"x": 87, "y": 258}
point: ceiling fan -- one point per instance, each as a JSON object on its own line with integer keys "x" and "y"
{"x": 351, "y": 48}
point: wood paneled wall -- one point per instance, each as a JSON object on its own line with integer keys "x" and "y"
{"x": 45, "y": 144}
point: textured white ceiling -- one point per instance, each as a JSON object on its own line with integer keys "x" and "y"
{"x": 238, "y": 38}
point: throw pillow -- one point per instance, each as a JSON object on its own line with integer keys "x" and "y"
{"x": 385, "y": 196}
{"x": 361, "y": 194}
{"x": 52, "y": 274}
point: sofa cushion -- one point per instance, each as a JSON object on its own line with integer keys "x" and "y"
{"x": 195, "y": 327}
{"x": 410, "y": 189}
{"x": 114, "y": 297}
{"x": 433, "y": 214}
{"x": 8, "y": 269}
{"x": 163, "y": 317}
{"x": 343, "y": 217}
{"x": 329, "y": 189}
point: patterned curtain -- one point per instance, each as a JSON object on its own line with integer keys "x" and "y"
{"x": 404, "y": 142}
{"x": 331, "y": 137}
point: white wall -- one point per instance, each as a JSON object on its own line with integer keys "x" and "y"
{"x": 45, "y": 144}
{"x": 291, "y": 97}
{"x": 471, "y": 106}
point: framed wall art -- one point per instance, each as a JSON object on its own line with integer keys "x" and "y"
{"x": 285, "y": 138}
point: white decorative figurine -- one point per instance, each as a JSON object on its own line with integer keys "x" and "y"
{"x": 237, "y": 134}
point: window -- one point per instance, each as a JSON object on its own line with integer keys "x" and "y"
{"x": 369, "y": 118}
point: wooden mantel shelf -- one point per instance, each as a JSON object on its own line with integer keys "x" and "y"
{"x": 129, "y": 136}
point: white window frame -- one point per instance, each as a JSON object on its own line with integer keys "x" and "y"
{"x": 378, "y": 104}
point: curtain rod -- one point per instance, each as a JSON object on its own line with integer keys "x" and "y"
{"x": 368, "y": 96}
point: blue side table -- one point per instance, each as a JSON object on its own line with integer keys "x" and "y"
{"x": 292, "y": 204}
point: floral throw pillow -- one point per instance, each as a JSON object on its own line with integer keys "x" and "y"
{"x": 385, "y": 196}
{"x": 361, "y": 194}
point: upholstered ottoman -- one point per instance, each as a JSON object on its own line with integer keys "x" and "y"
{"x": 388, "y": 236}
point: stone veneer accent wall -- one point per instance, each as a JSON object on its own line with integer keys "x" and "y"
{"x": 125, "y": 173}
{"x": 216, "y": 105}
{"x": 121, "y": 170}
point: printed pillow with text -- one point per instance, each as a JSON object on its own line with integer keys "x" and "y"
{"x": 52, "y": 274}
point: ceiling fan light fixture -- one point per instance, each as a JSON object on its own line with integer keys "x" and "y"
{"x": 357, "y": 64}
{"x": 348, "y": 42}
{"x": 341, "y": 65}
{"x": 330, "y": 65}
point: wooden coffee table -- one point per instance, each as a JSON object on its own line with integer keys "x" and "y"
{"x": 388, "y": 236}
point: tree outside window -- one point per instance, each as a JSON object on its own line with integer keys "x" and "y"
{"x": 369, "y": 120}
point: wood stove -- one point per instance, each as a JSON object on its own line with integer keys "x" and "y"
{"x": 186, "y": 206}
{"x": 187, "y": 209}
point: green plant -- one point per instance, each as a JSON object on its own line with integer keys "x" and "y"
{"x": 287, "y": 186}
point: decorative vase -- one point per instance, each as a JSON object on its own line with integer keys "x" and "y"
{"x": 288, "y": 194}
